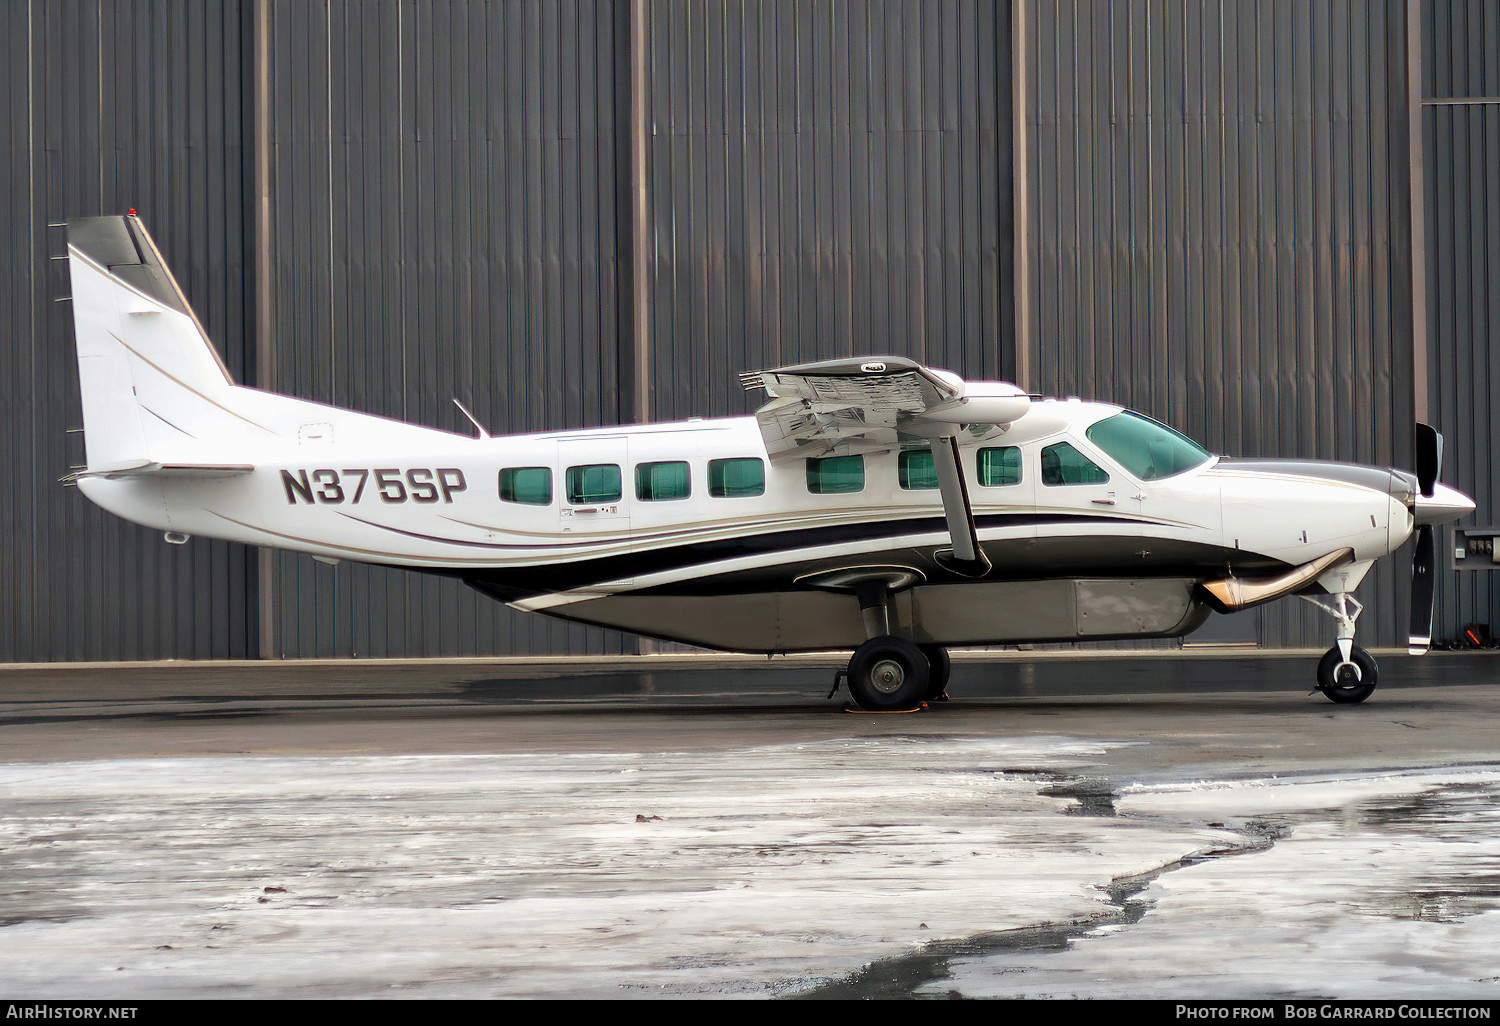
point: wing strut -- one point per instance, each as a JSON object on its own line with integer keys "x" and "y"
{"x": 965, "y": 558}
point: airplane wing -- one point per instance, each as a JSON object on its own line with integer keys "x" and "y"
{"x": 840, "y": 407}
{"x": 844, "y": 407}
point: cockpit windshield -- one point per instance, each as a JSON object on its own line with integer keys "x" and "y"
{"x": 1148, "y": 450}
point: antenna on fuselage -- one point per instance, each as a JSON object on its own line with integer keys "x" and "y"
{"x": 477, "y": 426}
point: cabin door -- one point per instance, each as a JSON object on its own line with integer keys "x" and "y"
{"x": 594, "y": 499}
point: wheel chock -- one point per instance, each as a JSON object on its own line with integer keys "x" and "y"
{"x": 850, "y": 707}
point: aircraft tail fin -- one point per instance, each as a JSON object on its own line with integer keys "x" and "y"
{"x": 149, "y": 377}
{"x": 157, "y": 399}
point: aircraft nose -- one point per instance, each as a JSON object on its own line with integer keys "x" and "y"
{"x": 1443, "y": 505}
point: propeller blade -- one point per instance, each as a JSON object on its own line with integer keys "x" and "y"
{"x": 1429, "y": 457}
{"x": 1423, "y": 568}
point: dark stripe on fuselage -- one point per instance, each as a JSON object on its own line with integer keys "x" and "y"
{"x": 1025, "y": 557}
{"x": 769, "y": 541}
{"x": 751, "y": 544}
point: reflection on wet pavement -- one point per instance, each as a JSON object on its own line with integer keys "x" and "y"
{"x": 1376, "y": 886}
{"x": 883, "y": 866}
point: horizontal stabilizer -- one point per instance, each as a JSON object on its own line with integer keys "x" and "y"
{"x": 142, "y": 468}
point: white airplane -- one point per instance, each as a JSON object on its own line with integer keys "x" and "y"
{"x": 872, "y": 504}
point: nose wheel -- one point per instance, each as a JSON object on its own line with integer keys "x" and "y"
{"x": 1347, "y": 681}
{"x": 1346, "y": 673}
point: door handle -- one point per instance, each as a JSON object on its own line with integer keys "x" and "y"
{"x": 1103, "y": 502}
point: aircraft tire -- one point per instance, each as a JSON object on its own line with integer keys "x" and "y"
{"x": 888, "y": 674}
{"x": 1347, "y": 692}
{"x": 939, "y": 669}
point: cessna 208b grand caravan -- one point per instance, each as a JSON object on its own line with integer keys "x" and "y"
{"x": 872, "y": 504}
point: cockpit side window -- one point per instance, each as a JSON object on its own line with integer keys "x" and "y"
{"x": 1064, "y": 465}
{"x": 1148, "y": 450}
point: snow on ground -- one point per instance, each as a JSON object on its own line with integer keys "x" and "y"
{"x": 751, "y": 872}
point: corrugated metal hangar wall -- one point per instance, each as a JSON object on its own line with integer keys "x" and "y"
{"x": 1215, "y": 203}
{"x": 1460, "y": 131}
{"x": 580, "y": 212}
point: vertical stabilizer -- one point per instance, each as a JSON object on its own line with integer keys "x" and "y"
{"x": 148, "y": 375}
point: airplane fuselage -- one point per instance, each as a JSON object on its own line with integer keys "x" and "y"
{"x": 688, "y": 531}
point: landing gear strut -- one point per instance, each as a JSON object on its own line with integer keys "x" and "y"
{"x": 888, "y": 673}
{"x": 1347, "y": 674}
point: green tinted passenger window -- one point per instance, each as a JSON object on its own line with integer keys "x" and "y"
{"x": 660, "y": 482}
{"x": 530, "y": 485}
{"x": 1064, "y": 465}
{"x": 914, "y": 469}
{"x": 597, "y": 483}
{"x": 736, "y": 478}
{"x": 998, "y": 466}
{"x": 835, "y": 475}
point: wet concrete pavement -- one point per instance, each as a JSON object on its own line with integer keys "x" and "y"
{"x": 1095, "y": 826}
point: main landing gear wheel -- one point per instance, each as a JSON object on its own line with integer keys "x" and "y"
{"x": 1347, "y": 683}
{"x": 888, "y": 674}
{"x": 939, "y": 669}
